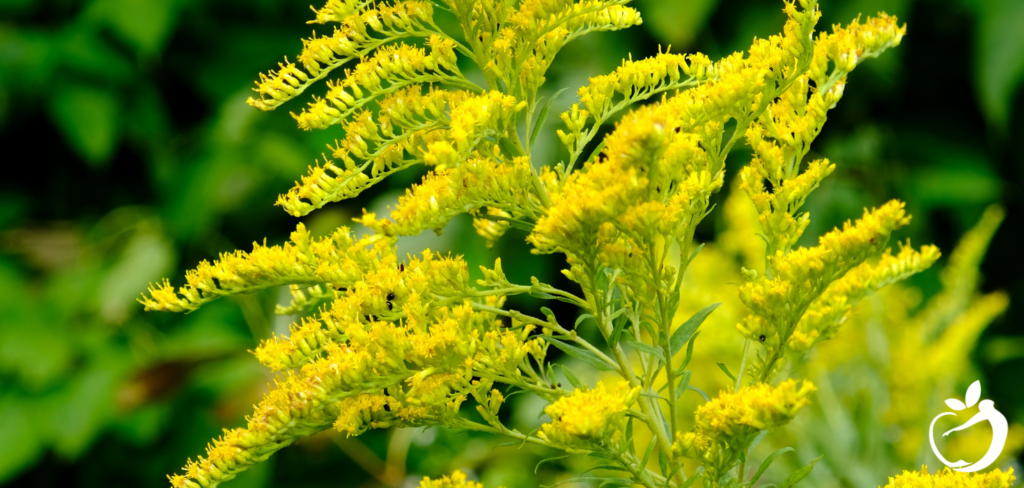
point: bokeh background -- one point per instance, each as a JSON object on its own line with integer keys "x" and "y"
{"x": 130, "y": 155}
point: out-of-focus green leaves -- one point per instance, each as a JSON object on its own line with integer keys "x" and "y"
{"x": 88, "y": 118}
{"x": 676, "y": 23}
{"x": 143, "y": 24}
{"x": 22, "y": 443}
{"x": 147, "y": 258}
{"x": 999, "y": 49}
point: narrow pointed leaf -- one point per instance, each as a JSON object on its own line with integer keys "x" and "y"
{"x": 543, "y": 115}
{"x": 799, "y": 474}
{"x": 573, "y": 380}
{"x": 725, "y": 369}
{"x": 685, "y": 331}
{"x": 700, "y": 392}
{"x": 684, "y": 384}
{"x": 578, "y": 353}
{"x": 768, "y": 462}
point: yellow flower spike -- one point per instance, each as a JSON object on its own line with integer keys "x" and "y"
{"x": 456, "y": 480}
{"x": 342, "y": 263}
{"x": 725, "y": 426}
{"x": 827, "y": 313}
{"x": 443, "y": 194}
{"x": 947, "y": 478}
{"x": 589, "y": 417}
{"x": 350, "y": 41}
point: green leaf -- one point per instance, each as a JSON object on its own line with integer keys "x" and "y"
{"x": 800, "y": 474}
{"x": 597, "y": 151}
{"x": 692, "y": 479}
{"x": 647, "y": 455}
{"x": 999, "y": 51}
{"x": 649, "y": 327}
{"x": 581, "y": 479}
{"x": 616, "y": 482}
{"x": 676, "y": 23}
{"x": 689, "y": 352}
{"x": 630, "y": 341}
{"x": 684, "y": 383}
{"x": 686, "y": 330}
{"x": 542, "y": 461}
{"x": 694, "y": 254}
{"x": 700, "y": 392}
{"x": 581, "y": 318}
{"x": 604, "y": 466}
{"x": 768, "y": 462}
{"x": 725, "y": 369}
{"x": 573, "y": 380}
{"x": 145, "y": 26}
{"x": 578, "y": 353}
{"x": 757, "y": 440}
{"x": 508, "y": 148}
{"x": 619, "y": 320}
{"x": 662, "y": 461}
{"x": 629, "y": 436}
{"x": 543, "y": 116}
{"x": 22, "y": 444}
{"x": 547, "y": 312}
{"x": 89, "y": 119}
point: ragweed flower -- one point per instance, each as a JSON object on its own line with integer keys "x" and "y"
{"x": 589, "y": 417}
{"x": 951, "y": 479}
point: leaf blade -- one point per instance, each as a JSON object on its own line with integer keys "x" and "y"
{"x": 686, "y": 329}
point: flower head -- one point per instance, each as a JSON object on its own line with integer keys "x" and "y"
{"x": 952, "y": 479}
{"x": 589, "y": 416}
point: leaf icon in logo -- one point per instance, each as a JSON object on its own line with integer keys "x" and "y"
{"x": 955, "y": 404}
{"x": 973, "y": 394}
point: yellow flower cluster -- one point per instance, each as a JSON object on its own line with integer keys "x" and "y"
{"x": 438, "y": 127}
{"x": 389, "y": 69}
{"x": 338, "y": 259}
{"x": 350, "y": 40}
{"x": 522, "y": 52}
{"x": 445, "y": 193}
{"x": 456, "y": 480}
{"x": 383, "y": 342}
{"x": 725, "y": 426}
{"x": 783, "y": 133}
{"x": 952, "y": 479}
{"x": 589, "y": 417}
{"x": 792, "y": 281}
{"x": 823, "y": 318}
{"x": 641, "y": 79}
{"x": 412, "y": 364}
{"x": 659, "y": 156}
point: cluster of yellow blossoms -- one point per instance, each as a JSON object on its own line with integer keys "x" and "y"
{"x": 456, "y": 480}
{"x": 383, "y": 341}
{"x": 951, "y": 479}
{"x": 589, "y": 417}
{"x": 726, "y": 426}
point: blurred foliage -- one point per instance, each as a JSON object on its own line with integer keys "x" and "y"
{"x": 140, "y": 159}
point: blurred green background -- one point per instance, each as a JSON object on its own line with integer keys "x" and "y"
{"x": 131, "y": 156}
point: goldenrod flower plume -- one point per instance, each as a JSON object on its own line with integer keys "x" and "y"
{"x": 948, "y": 478}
